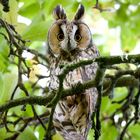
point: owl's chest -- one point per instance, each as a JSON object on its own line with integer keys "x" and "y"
{"x": 71, "y": 78}
{"x": 80, "y": 74}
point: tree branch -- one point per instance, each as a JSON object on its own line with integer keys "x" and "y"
{"x": 39, "y": 100}
{"x": 111, "y": 60}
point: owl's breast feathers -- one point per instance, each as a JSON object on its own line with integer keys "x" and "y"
{"x": 72, "y": 117}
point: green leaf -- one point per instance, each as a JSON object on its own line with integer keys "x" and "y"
{"x": 41, "y": 132}
{"x": 3, "y": 63}
{"x": 135, "y": 131}
{"x": 128, "y": 38}
{"x": 11, "y": 16}
{"x": 8, "y": 82}
{"x": 27, "y": 134}
{"x": 91, "y": 134}
{"x": 4, "y": 51}
{"x": 37, "y": 31}
{"x": 108, "y": 131}
{"x": 28, "y": 111}
{"x": 27, "y": 2}
{"x": 30, "y": 10}
{"x": 4, "y": 134}
{"x": 57, "y": 136}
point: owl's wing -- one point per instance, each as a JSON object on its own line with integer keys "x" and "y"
{"x": 72, "y": 116}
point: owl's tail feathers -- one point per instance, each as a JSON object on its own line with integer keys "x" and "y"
{"x": 72, "y": 122}
{"x": 68, "y": 132}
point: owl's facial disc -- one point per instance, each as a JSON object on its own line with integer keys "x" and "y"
{"x": 68, "y": 38}
{"x": 68, "y": 43}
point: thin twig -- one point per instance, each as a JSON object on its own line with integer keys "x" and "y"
{"x": 99, "y": 84}
{"x": 125, "y": 128}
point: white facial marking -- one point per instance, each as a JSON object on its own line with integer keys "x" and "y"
{"x": 69, "y": 42}
{"x": 72, "y": 40}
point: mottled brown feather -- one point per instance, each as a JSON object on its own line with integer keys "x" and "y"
{"x": 72, "y": 117}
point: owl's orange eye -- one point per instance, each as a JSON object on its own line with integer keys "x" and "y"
{"x": 60, "y": 36}
{"x": 78, "y": 37}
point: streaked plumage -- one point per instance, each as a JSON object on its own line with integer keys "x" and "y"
{"x": 69, "y": 42}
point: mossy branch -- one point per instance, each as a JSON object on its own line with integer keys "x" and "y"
{"x": 76, "y": 89}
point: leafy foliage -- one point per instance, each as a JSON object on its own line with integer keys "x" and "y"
{"x": 117, "y": 26}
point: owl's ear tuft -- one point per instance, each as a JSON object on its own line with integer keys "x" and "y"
{"x": 59, "y": 13}
{"x": 80, "y": 12}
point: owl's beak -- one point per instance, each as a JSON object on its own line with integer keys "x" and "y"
{"x": 70, "y": 46}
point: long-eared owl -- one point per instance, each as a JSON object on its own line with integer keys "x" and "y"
{"x": 71, "y": 42}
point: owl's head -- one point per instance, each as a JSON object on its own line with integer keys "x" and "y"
{"x": 67, "y": 37}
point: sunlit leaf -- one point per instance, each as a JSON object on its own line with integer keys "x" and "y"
{"x": 108, "y": 131}
{"x": 57, "y": 136}
{"x": 8, "y": 83}
{"x": 28, "y": 133}
{"x": 30, "y": 10}
{"x": 134, "y": 130}
{"x": 37, "y": 30}
{"x": 11, "y": 16}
